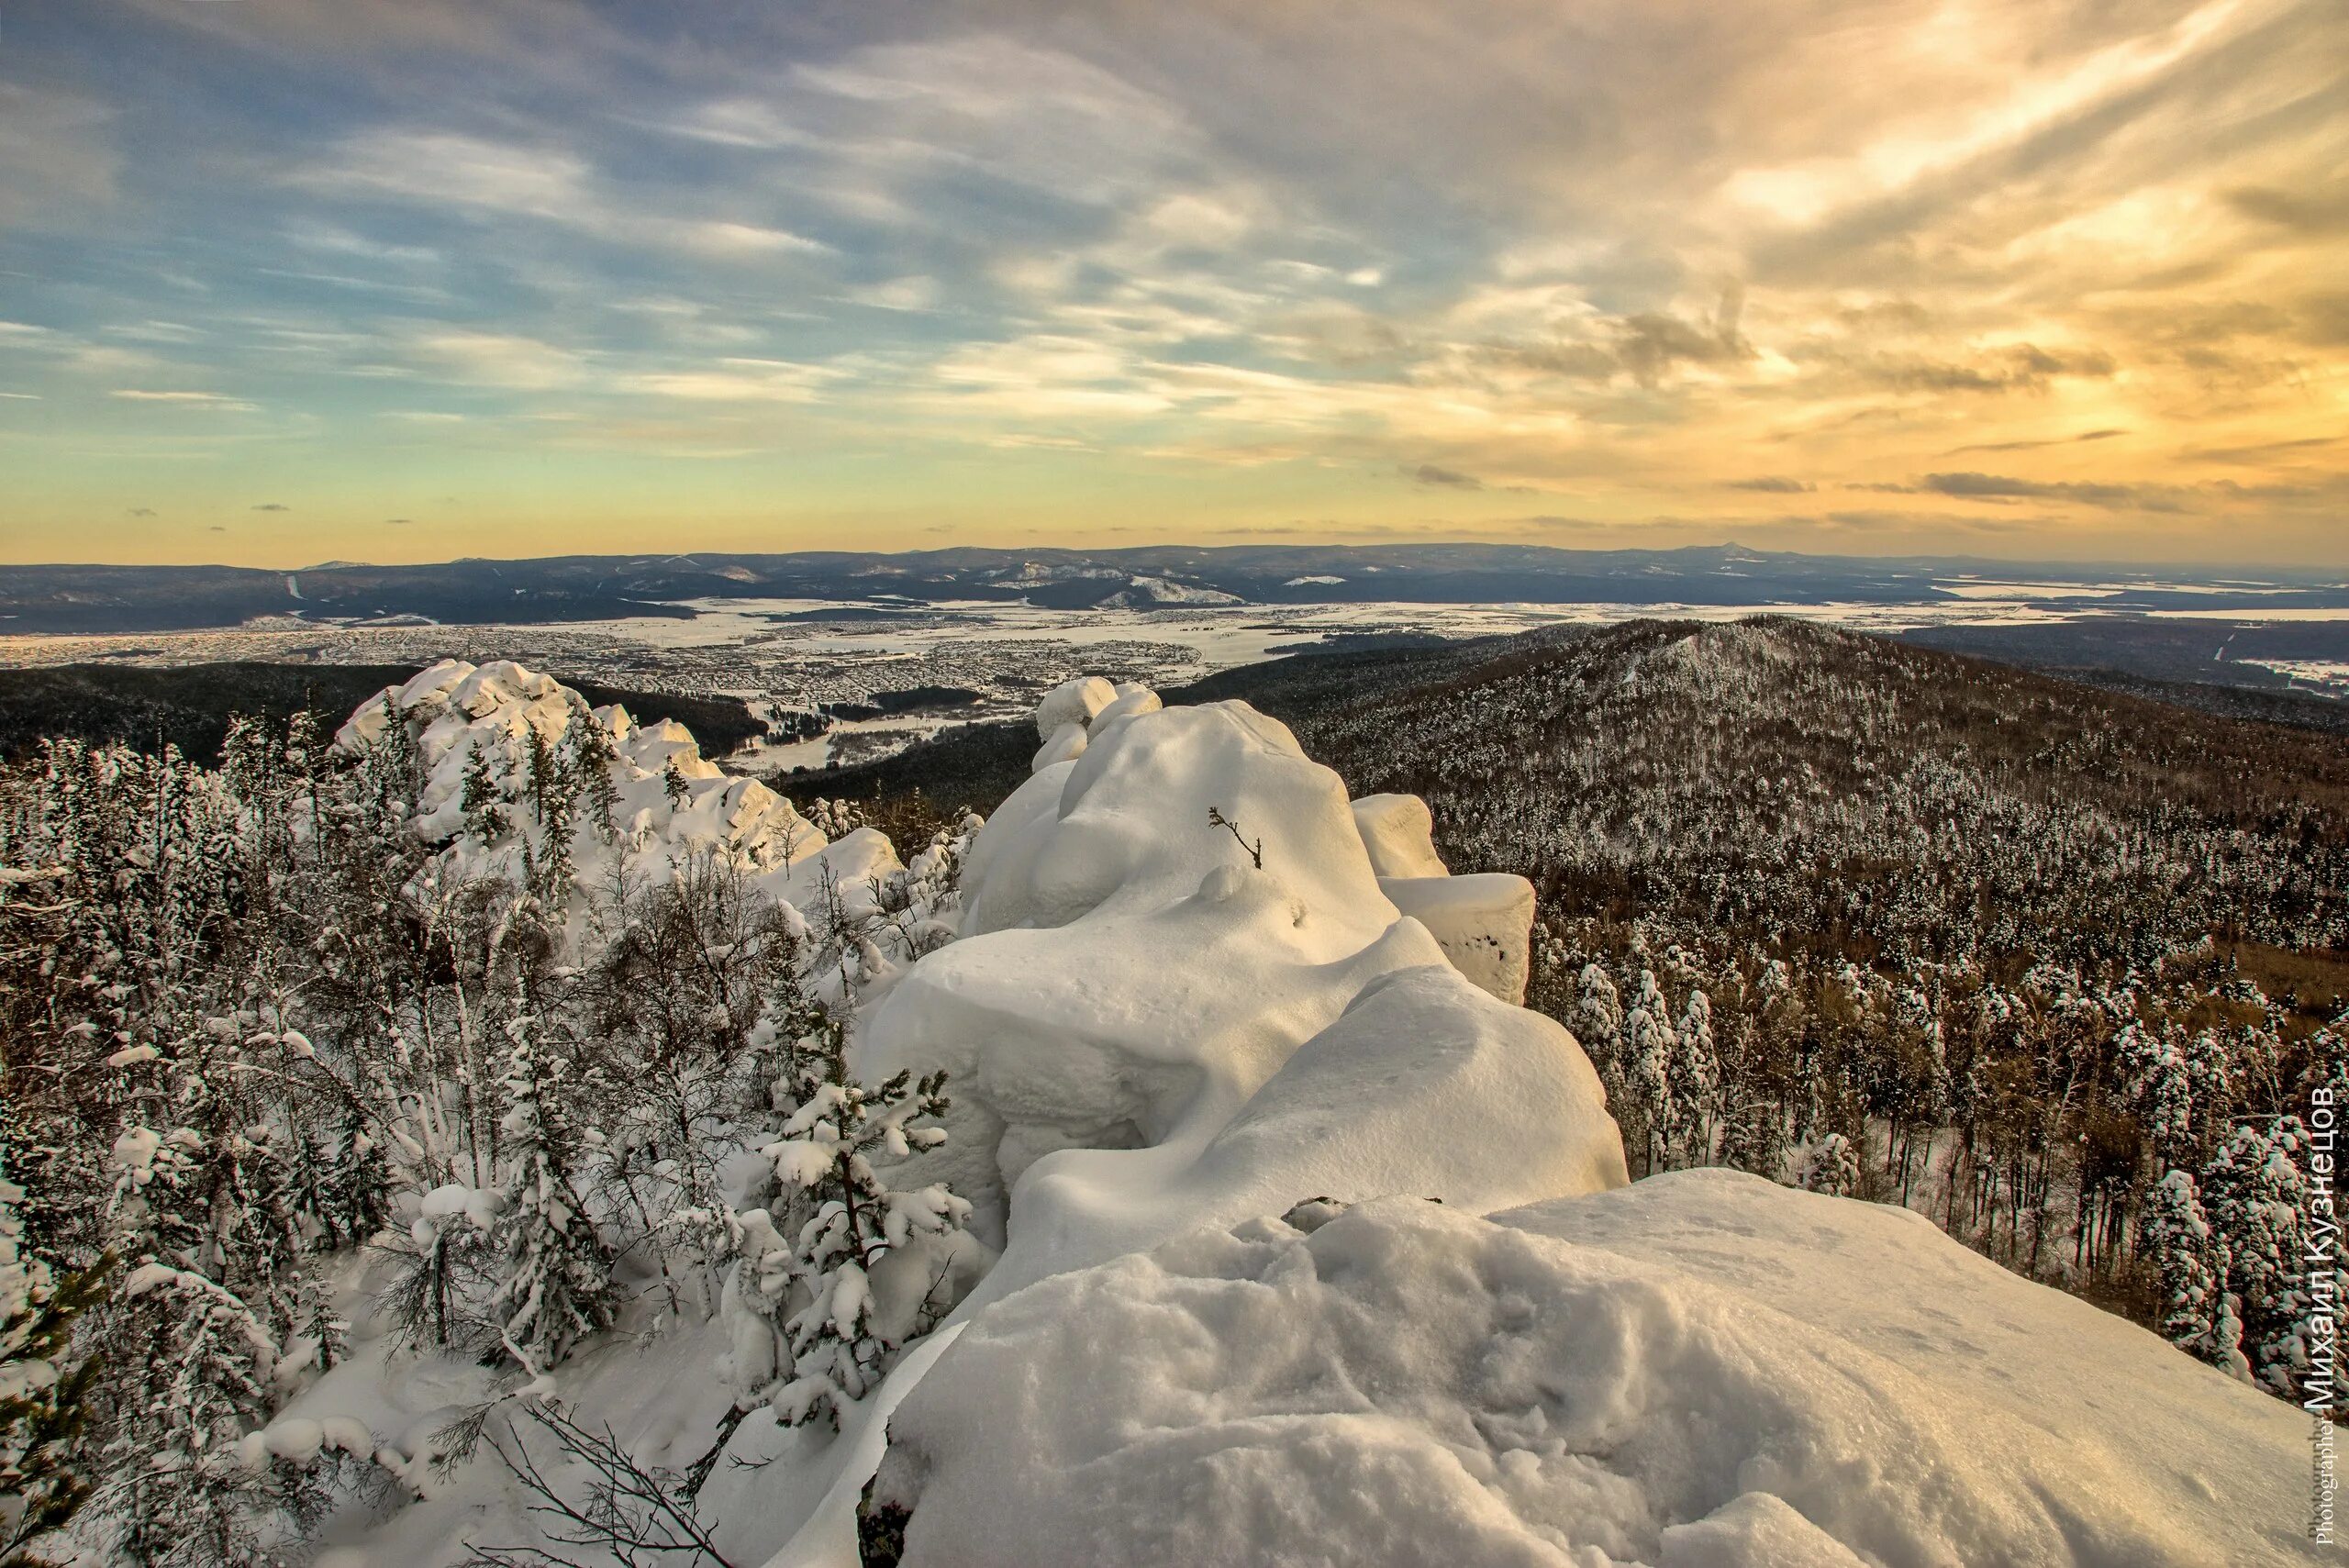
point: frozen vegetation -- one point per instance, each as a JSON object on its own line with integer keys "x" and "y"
{"x": 494, "y": 1135}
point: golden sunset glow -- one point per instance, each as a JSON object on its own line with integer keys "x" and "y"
{"x": 284, "y": 280}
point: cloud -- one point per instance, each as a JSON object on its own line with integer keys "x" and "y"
{"x": 273, "y": 506}
{"x": 142, "y": 511}
{"x": 1579, "y": 361}
{"x": 494, "y": 180}
{"x": 2318, "y": 211}
{"x": 1651, "y": 344}
{"x": 896, "y": 294}
{"x": 2020, "y": 367}
{"x": 2001, "y": 487}
{"x": 1777, "y": 485}
{"x": 61, "y": 157}
{"x": 1427, "y": 473}
{"x": 737, "y": 381}
{"x": 2032, "y": 445}
{"x": 208, "y": 400}
{"x": 499, "y": 359}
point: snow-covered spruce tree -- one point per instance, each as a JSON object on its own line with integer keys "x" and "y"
{"x": 44, "y": 1388}
{"x": 554, "y": 1273}
{"x": 588, "y": 756}
{"x": 1647, "y": 1048}
{"x": 2254, "y": 1192}
{"x": 483, "y": 797}
{"x": 355, "y": 1190}
{"x": 2176, "y": 1238}
{"x": 178, "y": 1493}
{"x": 1695, "y": 1071}
{"x": 824, "y": 1160}
{"x": 1831, "y": 1165}
{"x": 1753, "y": 1132}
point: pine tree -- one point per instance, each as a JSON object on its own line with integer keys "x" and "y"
{"x": 1831, "y": 1165}
{"x": 1696, "y": 1073}
{"x": 179, "y": 1492}
{"x": 554, "y": 1274}
{"x": 355, "y": 1196}
{"x": 44, "y": 1388}
{"x": 1599, "y": 1013}
{"x": 2176, "y": 1236}
{"x": 1647, "y": 1048}
{"x": 2256, "y": 1198}
{"x": 590, "y": 756}
{"x": 482, "y": 800}
{"x": 823, "y": 1164}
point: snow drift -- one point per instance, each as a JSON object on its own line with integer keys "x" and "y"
{"x": 1700, "y": 1369}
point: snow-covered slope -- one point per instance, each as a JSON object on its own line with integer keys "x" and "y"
{"x": 1699, "y": 1370}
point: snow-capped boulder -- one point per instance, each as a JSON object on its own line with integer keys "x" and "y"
{"x": 1700, "y": 1369}
{"x": 1423, "y": 1085}
{"x": 1072, "y": 702}
{"x": 1399, "y": 833}
{"x": 1066, "y": 745}
{"x": 1127, "y": 823}
{"x": 1484, "y": 922}
{"x": 1132, "y": 697}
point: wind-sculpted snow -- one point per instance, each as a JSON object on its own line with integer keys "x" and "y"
{"x": 1703, "y": 1369}
{"x": 1130, "y": 981}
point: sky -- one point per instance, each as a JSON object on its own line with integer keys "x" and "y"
{"x": 285, "y": 281}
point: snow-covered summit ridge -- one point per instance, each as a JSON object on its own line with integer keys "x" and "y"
{"x": 1215, "y": 1034}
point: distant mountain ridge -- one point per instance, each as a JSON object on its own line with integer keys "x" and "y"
{"x": 91, "y": 599}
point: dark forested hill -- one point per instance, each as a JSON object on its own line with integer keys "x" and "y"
{"x": 1778, "y": 780}
{"x": 1774, "y": 780}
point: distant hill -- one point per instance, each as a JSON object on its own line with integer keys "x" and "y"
{"x": 1784, "y": 782}
{"x": 1775, "y": 778}
{"x": 563, "y": 588}
{"x": 189, "y": 705}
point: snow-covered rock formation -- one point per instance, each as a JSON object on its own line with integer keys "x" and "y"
{"x": 488, "y": 726}
{"x": 1484, "y": 922}
{"x": 1698, "y": 1370}
{"x": 1144, "y": 1002}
